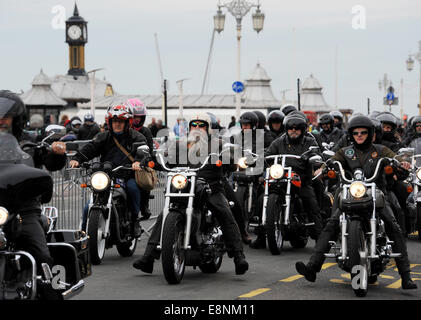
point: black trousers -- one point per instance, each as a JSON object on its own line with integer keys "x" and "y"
{"x": 218, "y": 204}
{"x": 237, "y": 209}
{"x": 331, "y": 233}
{"x": 32, "y": 239}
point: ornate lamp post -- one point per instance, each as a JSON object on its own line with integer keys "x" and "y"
{"x": 410, "y": 67}
{"x": 238, "y": 8}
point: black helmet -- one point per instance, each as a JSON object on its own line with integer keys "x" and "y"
{"x": 249, "y": 117}
{"x": 11, "y": 105}
{"x": 361, "y": 121}
{"x": 414, "y": 121}
{"x": 262, "y": 119}
{"x": 388, "y": 118}
{"x": 275, "y": 116}
{"x": 296, "y": 119}
{"x": 326, "y": 118}
{"x": 337, "y": 114}
{"x": 288, "y": 108}
{"x": 374, "y": 114}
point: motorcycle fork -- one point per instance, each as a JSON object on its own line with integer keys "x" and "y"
{"x": 344, "y": 236}
{"x": 373, "y": 226}
{"x": 288, "y": 199}
{"x": 189, "y": 214}
{"x": 265, "y": 197}
{"x": 250, "y": 198}
{"x": 109, "y": 208}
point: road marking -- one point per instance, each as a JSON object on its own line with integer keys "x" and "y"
{"x": 395, "y": 285}
{"x": 339, "y": 281}
{"x": 292, "y": 278}
{"x": 412, "y": 265}
{"x": 328, "y": 265}
{"x": 386, "y": 277}
{"x": 416, "y": 272}
{"x": 254, "y": 293}
{"x": 390, "y": 265}
{"x": 346, "y": 276}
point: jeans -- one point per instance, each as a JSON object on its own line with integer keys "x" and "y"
{"x": 133, "y": 197}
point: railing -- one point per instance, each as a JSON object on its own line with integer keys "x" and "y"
{"x": 70, "y": 199}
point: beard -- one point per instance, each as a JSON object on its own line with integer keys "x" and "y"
{"x": 197, "y": 146}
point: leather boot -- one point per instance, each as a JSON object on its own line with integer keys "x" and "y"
{"x": 307, "y": 271}
{"x": 407, "y": 282}
{"x": 241, "y": 265}
{"x": 145, "y": 263}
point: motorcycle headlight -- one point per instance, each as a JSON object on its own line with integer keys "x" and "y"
{"x": 418, "y": 173}
{"x": 276, "y": 171}
{"x": 100, "y": 181}
{"x": 179, "y": 181}
{"x": 242, "y": 163}
{"x": 4, "y": 214}
{"x": 357, "y": 189}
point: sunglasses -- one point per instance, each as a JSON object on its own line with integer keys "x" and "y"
{"x": 356, "y": 133}
{"x": 418, "y": 126}
{"x": 198, "y": 124}
{"x": 293, "y": 128}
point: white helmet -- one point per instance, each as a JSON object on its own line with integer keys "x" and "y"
{"x": 202, "y": 117}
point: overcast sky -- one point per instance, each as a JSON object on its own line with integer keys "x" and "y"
{"x": 299, "y": 38}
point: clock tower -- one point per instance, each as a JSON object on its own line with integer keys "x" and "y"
{"x": 76, "y": 37}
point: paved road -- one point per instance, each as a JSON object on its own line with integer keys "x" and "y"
{"x": 269, "y": 278}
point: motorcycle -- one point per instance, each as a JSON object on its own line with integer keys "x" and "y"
{"x": 413, "y": 203}
{"x": 109, "y": 219}
{"x": 19, "y": 277}
{"x": 290, "y": 222}
{"x": 190, "y": 234}
{"x": 244, "y": 184}
{"x": 363, "y": 247}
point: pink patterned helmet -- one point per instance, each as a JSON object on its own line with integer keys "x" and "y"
{"x": 137, "y": 107}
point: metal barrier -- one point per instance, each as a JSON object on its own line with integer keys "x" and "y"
{"x": 70, "y": 199}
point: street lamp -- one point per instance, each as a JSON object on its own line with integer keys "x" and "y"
{"x": 92, "y": 81}
{"x": 238, "y": 9}
{"x": 410, "y": 67}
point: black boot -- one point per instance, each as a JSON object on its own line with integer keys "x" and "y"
{"x": 241, "y": 265}
{"x": 137, "y": 229}
{"x": 407, "y": 282}
{"x": 145, "y": 213}
{"x": 145, "y": 263}
{"x": 260, "y": 242}
{"x": 307, "y": 271}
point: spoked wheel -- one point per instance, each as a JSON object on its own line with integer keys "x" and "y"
{"x": 96, "y": 233}
{"x": 357, "y": 253}
{"x": 173, "y": 254}
{"x": 273, "y": 225}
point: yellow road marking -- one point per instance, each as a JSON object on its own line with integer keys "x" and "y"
{"x": 292, "y": 278}
{"x": 390, "y": 265}
{"x": 346, "y": 276}
{"x": 416, "y": 272}
{"x": 339, "y": 281}
{"x": 254, "y": 293}
{"x": 328, "y": 265}
{"x": 412, "y": 265}
{"x": 395, "y": 285}
{"x": 386, "y": 277}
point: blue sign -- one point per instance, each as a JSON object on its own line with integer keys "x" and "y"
{"x": 238, "y": 86}
{"x": 390, "y": 96}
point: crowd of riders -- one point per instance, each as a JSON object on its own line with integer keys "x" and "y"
{"x": 286, "y": 131}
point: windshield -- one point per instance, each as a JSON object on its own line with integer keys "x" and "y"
{"x": 10, "y": 152}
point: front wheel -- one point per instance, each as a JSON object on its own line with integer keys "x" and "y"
{"x": 173, "y": 254}
{"x": 273, "y": 225}
{"x": 96, "y": 233}
{"x": 357, "y": 253}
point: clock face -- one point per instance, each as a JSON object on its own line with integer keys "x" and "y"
{"x": 74, "y": 32}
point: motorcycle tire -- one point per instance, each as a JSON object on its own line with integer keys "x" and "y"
{"x": 273, "y": 227}
{"x": 172, "y": 252}
{"x": 96, "y": 229}
{"x": 419, "y": 220}
{"x": 127, "y": 249}
{"x": 242, "y": 196}
{"x": 356, "y": 243}
{"x": 299, "y": 242}
{"x": 213, "y": 266}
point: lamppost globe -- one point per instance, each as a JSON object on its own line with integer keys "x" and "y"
{"x": 410, "y": 64}
{"x": 258, "y": 20}
{"x": 219, "y": 21}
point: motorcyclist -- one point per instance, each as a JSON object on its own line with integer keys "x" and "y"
{"x": 74, "y": 125}
{"x": 414, "y": 131}
{"x": 288, "y": 108}
{"x": 261, "y": 125}
{"x": 199, "y": 138}
{"x": 329, "y": 133}
{"x": 362, "y": 152}
{"x": 295, "y": 141}
{"x": 32, "y": 238}
{"x": 276, "y": 128}
{"x": 339, "y": 120}
{"x": 118, "y": 118}
{"x": 89, "y": 129}
{"x": 139, "y": 112}
{"x": 390, "y": 136}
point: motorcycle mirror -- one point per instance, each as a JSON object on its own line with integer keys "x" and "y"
{"x": 329, "y": 153}
{"x": 315, "y": 159}
{"x": 54, "y": 131}
{"x": 142, "y": 150}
